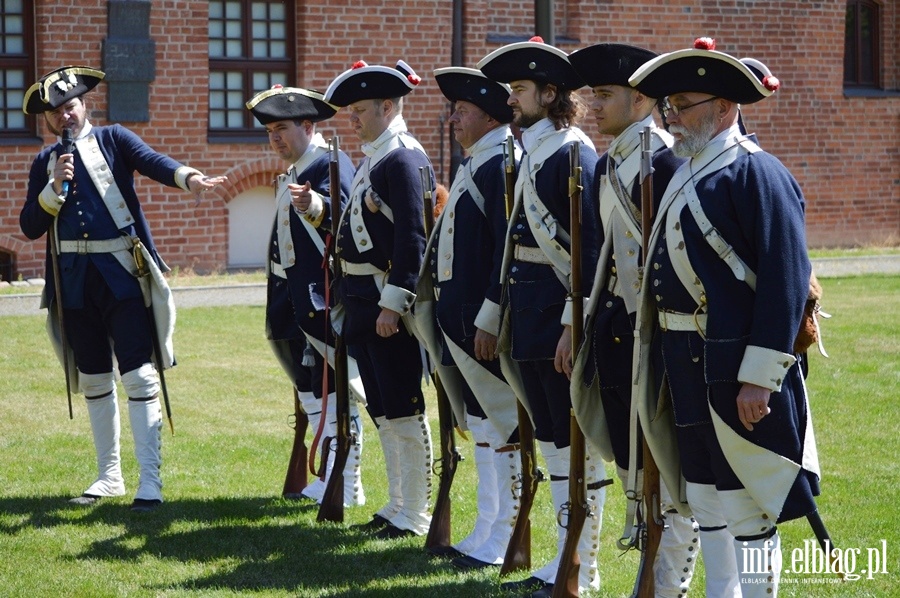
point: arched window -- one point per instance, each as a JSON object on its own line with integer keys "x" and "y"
{"x": 862, "y": 45}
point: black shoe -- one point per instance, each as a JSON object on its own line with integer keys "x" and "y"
{"x": 544, "y": 592}
{"x": 297, "y": 496}
{"x": 374, "y": 525}
{"x": 443, "y": 552}
{"x": 85, "y": 500}
{"x": 469, "y": 563}
{"x": 391, "y": 532}
{"x": 532, "y": 584}
{"x": 143, "y": 505}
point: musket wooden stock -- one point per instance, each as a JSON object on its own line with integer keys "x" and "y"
{"x": 518, "y": 551}
{"x": 566, "y": 583}
{"x": 332, "y": 507}
{"x": 651, "y": 523}
{"x": 439, "y": 530}
{"x": 296, "y": 478}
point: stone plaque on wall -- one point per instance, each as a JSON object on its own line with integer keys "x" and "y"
{"x": 129, "y": 60}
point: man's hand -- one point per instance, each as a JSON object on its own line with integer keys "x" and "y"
{"x": 752, "y": 404}
{"x": 485, "y": 345}
{"x": 387, "y": 324}
{"x": 198, "y": 183}
{"x": 563, "y": 360}
{"x": 301, "y": 197}
{"x": 63, "y": 171}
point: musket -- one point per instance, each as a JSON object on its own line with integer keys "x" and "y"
{"x": 296, "y": 478}
{"x": 444, "y": 467}
{"x": 68, "y": 148}
{"x": 518, "y": 551}
{"x": 651, "y": 523}
{"x": 54, "y": 260}
{"x": 142, "y": 272}
{"x": 577, "y": 510}
{"x": 824, "y": 540}
{"x": 332, "y": 507}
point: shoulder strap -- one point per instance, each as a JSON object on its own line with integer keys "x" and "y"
{"x": 473, "y": 189}
{"x": 103, "y": 179}
{"x": 722, "y": 248}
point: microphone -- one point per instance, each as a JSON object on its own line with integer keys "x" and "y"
{"x": 68, "y": 147}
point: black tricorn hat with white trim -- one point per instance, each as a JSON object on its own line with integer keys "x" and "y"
{"x": 58, "y": 87}
{"x": 532, "y": 60}
{"x": 470, "y": 85}
{"x": 700, "y": 69}
{"x": 290, "y": 103}
{"x": 609, "y": 64}
{"x": 375, "y": 82}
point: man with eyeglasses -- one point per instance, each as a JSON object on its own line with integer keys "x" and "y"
{"x": 601, "y": 377}
{"x": 721, "y": 304}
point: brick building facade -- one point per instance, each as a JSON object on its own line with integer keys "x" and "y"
{"x": 843, "y": 146}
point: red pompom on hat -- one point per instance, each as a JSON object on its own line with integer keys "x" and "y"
{"x": 704, "y": 43}
{"x": 359, "y": 64}
{"x": 771, "y": 82}
{"x": 537, "y": 39}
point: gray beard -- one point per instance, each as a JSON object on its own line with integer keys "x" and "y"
{"x": 692, "y": 142}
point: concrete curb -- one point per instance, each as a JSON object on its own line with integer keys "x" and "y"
{"x": 834, "y": 267}
{"x": 212, "y": 296}
{"x": 255, "y": 293}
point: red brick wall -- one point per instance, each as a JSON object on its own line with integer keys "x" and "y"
{"x": 844, "y": 151}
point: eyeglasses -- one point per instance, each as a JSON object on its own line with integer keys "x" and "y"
{"x": 668, "y": 108}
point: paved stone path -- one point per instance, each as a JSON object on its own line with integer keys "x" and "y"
{"x": 255, "y": 294}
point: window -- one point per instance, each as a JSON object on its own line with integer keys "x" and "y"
{"x": 16, "y": 67}
{"x": 862, "y": 47}
{"x": 251, "y": 48}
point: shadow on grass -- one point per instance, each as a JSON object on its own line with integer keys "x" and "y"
{"x": 246, "y": 544}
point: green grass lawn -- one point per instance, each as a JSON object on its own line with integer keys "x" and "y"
{"x": 224, "y": 531}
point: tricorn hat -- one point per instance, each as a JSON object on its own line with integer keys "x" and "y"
{"x": 700, "y": 69}
{"x": 461, "y": 83}
{"x": 290, "y": 103}
{"x": 609, "y": 64}
{"x": 532, "y": 60}
{"x": 365, "y": 82}
{"x": 58, "y": 87}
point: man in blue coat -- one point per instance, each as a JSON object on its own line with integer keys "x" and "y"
{"x": 381, "y": 241}
{"x": 461, "y": 277}
{"x": 85, "y": 194}
{"x": 296, "y": 316}
{"x": 536, "y": 272}
{"x": 601, "y": 381}
{"x": 721, "y": 306}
